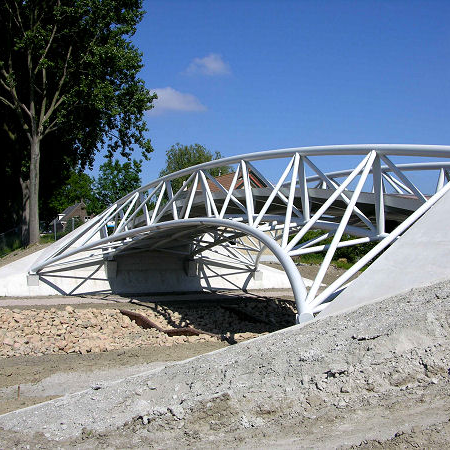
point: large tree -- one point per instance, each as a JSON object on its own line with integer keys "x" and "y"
{"x": 68, "y": 69}
{"x": 182, "y": 156}
{"x": 10, "y": 166}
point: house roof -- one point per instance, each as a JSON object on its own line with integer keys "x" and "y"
{"x": 69, "y": 211}
{"x": 227, "y": 179}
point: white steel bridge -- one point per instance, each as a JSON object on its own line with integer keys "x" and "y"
{"x": 238, "y": 221}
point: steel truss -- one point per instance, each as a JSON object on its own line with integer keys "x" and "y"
{"x": 375, "y": 201}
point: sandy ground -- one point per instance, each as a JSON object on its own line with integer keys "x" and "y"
{"x": 45, "y": 377}
{"x": 310, "y": 271}
{"x": 376, "y": 377}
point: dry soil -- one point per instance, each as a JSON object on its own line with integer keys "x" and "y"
{"x": 375, "y": 377}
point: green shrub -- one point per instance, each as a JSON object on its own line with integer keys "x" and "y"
{"x": 350, "y": 254}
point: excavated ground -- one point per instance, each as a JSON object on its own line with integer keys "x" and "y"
{"x": 376, "y": 377}
{"x": 41, "y": 338}
{"x": 41, "y": 345}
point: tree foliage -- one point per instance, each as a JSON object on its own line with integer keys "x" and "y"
{"x": 11, "y": 199}
{"x": 79, "y": 187}
{"x": 183, "y": 156}
{"x": 68, "y": 69}
{"x": 115, "y": 180}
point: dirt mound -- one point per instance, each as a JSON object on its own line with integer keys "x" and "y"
{"x": 359, "y": 378}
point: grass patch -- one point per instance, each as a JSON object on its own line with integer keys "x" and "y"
{"x": 46, "y": 238}
{"x": 310, "y": 258}
{"x": 343, "y": 258}
{"x": 11, "y": 240}
{"x": 10, "y": 246}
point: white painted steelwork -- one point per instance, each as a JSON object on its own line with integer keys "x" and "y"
{"x": 375, "y": 201}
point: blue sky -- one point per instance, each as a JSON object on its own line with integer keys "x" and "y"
{"x": 244, "y": 76}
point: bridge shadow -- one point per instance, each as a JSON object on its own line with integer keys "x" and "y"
{"x": 236, "y": 317}
{"x": 143, "y": 273}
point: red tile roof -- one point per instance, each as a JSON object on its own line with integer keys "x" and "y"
{"x": 227, "y": 179}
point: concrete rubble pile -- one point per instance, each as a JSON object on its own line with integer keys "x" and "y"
{"x": 33, "y": 332}
{"x": 37, "y": 332}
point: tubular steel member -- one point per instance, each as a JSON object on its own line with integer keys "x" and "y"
{"x": 298, "y": 286}
{"x": 375, "y": 201}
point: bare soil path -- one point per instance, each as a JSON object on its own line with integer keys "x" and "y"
{"x": 31, "y": 371}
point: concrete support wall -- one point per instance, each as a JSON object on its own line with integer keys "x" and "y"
{"x": 419, "y": 258}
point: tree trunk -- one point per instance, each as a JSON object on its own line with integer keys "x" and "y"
{"x": 34, "y": 190}
{"x": 25, "y": 230}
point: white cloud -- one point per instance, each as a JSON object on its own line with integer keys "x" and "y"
{"x": 170, "y": 99}
{"x": 213, "y": 64}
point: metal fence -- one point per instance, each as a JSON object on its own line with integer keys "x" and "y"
{"x": 11, "y": 240}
